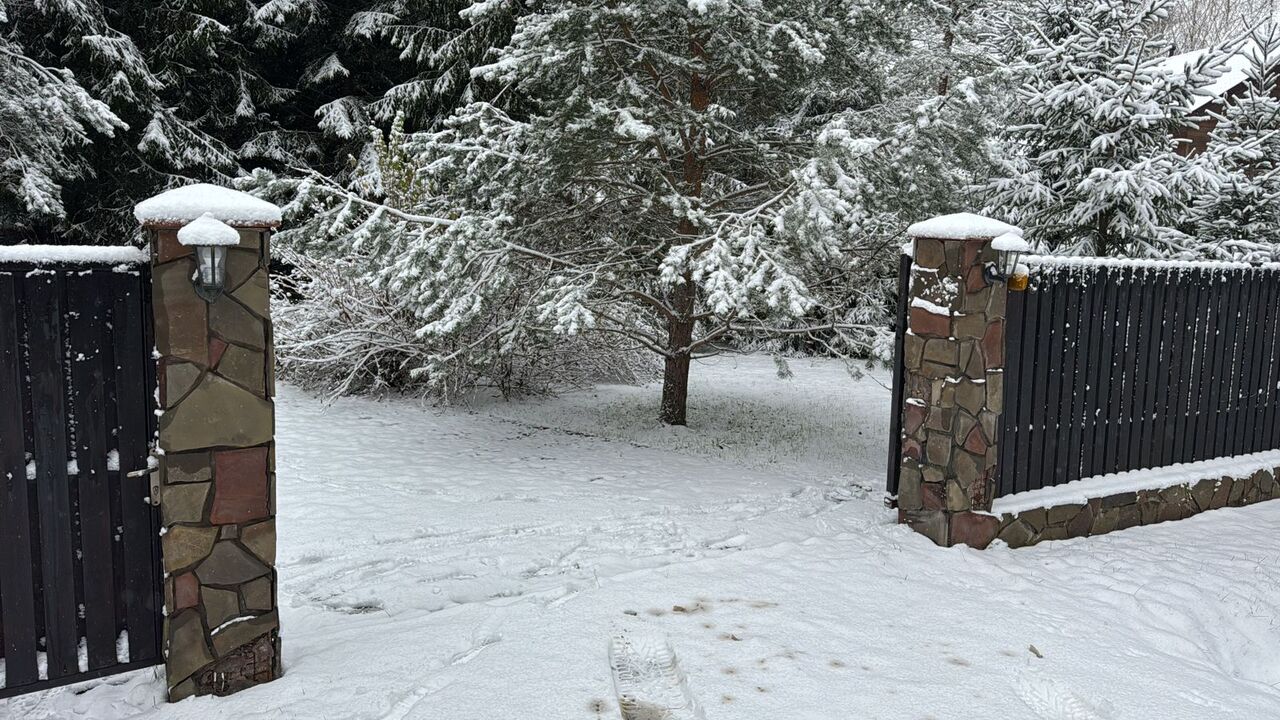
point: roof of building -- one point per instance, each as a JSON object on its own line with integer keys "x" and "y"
{"x": 1235, "y": 72}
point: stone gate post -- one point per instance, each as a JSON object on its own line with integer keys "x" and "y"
{"x": 216, "y": 442}
{"x": 954, "y": 380}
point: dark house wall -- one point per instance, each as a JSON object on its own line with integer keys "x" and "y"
{"x": 1195, "y": 140}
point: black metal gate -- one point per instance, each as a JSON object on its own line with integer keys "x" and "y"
{"x": 80, "y": 579}
{"x": 895, "y": 418}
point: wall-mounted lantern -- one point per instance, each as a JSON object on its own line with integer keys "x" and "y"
{"x": 210, "y": 237}
{"x": 1009, "y": 247}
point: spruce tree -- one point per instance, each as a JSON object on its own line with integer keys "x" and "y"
{"x": 46, "y": 120}
{"x": 1091, "y": 166}
{"x": 158, "y": 142}
{"x": 210, "y": 57}
{"x": 207, "y": 89}
{"x": 354, "y": 64}
{"x": 1242, "y": 221}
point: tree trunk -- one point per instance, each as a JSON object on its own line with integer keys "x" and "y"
{"x": 675, "y": 390}
{"x": 683, "y": 297}
{"x": 948, "y": 41}
{"x": 1102, "y": 245}
{"x": 675, "y": 375}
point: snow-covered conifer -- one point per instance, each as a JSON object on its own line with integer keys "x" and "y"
{"x": 675, "y": 173}
{"x": 46, "y": 118}
{"x": 355, "y": 63}
{"x": 1242, "y": 220}
{"x": 1091, "y": 165}
{"x": 156, "y": 142}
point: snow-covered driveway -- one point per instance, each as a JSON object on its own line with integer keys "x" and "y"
{"x": 459, "y": 565}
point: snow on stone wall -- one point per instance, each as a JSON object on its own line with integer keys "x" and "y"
{"x": 1097, "y": 506}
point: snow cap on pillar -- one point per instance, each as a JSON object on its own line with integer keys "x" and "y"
{"x": 1011, "y": 242}
{"x": 179, "y": 206}
{"x": 961, "y": 226}
{"x": 207, "y": 230}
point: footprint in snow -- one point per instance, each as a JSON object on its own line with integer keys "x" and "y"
{"x": 1050, "y": 699}
{"x": 648, "y": 680}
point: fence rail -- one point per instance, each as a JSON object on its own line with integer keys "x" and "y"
{"x": 1114, "y": 366}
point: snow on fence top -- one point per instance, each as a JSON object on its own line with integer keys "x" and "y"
{"x": 183, "y": 205}
{"x": 1071, "y": 261}
{"x": 47, "y": 254}
{"x": 208, "y": 230}
{"x": 961, "y": 226}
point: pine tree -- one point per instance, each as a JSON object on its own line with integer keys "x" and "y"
{"x": 673, "y": 174}
{"x": 1242, "y": 221}
{"x": 951, "y": 40}
{"x": 1091, "y": 165}
{"x": 946, "y": 93}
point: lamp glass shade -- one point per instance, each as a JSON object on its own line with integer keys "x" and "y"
{"x": 1007, "y": 262}
{"x": 211, "y": 271}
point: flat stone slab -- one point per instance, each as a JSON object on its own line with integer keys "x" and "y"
{"x": 260, "y": 538}
{"x": 243, "y": 632}
{"x": 217, "y": 413}
{"x": 229, "y": 564}
{"x": 184, "y": 545}
{"x": 241, "y": 491}
{"x": 184, "y": 502}
{"x": 181, "y": 322}
{"x": 189, "y": 651}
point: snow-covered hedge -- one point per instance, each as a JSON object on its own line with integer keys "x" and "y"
{"x": 337, "y": 334}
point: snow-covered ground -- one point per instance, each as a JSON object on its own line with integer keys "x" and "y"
{"x": 473, "y": 565}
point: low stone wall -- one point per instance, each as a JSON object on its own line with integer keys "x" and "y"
{"x": 1129, "y": 509}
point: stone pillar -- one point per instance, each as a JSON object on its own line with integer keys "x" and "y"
{"x": 953, "y": 381}
{"x": 216, "y": 448}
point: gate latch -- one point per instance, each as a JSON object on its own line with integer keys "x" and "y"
{"x": 154, "y": 492}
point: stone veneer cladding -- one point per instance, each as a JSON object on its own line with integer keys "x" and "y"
{"x": 953, "y": 380}
{"x": 222, "y": 630}
{"x": 1131, "y": 509}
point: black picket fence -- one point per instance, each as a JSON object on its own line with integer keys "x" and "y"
{"x": 80, "y": 568}
{"x": 1115, "y": 366}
